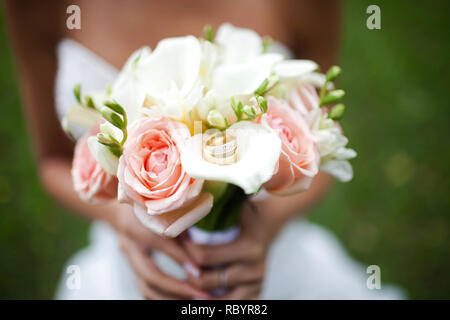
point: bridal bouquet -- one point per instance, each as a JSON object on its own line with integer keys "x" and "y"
{"x": 188, "y": 131}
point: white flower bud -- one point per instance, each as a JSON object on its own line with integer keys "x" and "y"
{"x": 216, "y": 119}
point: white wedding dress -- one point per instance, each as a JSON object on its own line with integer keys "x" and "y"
{"x": 304, "y": 262}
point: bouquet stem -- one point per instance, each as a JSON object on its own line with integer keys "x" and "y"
{"x": 220, "y": 226}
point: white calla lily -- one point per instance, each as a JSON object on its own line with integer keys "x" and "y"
{"x": 257, "y": 153}
{"x": 104, "y": 157}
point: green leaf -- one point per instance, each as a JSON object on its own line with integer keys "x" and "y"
{"x": 235, "y": 108}
{"x": 267, "y": 42}
{"x": 208, "y": 32}
{"x": 89, "y": 102}
{"x": 226, "y": 210}
{"x": 337, "y": 112}
{"x": 77, "y": 92}
{"x": 115, "y": 106}
{"x": 262, "y": 87}
{"x": 333, "y": 73}
{"x": 107, "y": 140}
{"x": 332, "y": 97}
{"x": 117, "y": 151}
{"x": 113, "y": 118}
{"x": 216, "y": 188}
{"x": 135, "y": 61}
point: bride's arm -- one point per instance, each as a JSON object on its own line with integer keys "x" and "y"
{"x": 276, "y": 210}
{"x": 33, "y": 29}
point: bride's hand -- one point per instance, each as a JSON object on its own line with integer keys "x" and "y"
{"x": 243, "y": 259}
{"x": 137, "y": 242}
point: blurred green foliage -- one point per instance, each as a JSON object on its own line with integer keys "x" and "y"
{"x": 36, "y": 235}
{"x": 395, "y": 213}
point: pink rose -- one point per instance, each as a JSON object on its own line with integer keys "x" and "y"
{"x": 90, "y": 181}
{"x": 151, "y": 177}
{"x": 299, "y": 158}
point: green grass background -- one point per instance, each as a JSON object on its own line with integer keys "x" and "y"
{"x": 395, "y": 213}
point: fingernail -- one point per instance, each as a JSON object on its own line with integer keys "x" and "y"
{"x": 201, "y": 296}
{"x": 191, "y": 269}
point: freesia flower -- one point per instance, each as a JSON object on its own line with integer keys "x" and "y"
{"x": 81, "y": 119}
{"x": 327, "y": 133}
{"x": 152, "y": 178}
{"x": 90, "y": 181}
{"x": 106, "y": 160}
{"x": 247, "y": 157}
{"x": 332, "y": 147}
{"x": 299, "y": 159}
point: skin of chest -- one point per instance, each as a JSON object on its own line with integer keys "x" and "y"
{"x": 114, "y": 30}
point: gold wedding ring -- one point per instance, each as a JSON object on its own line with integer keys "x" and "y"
{"x": 220, "y": 148}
